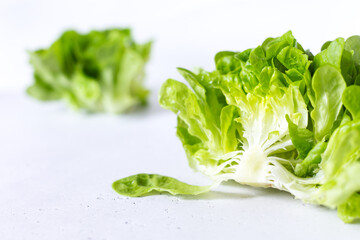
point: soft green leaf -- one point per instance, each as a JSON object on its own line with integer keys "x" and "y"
{"x": 142, "y": 184}
{"x": 353, "y": 44}
{"x": 341, "y": 165}
{"x": 229, "y": 128}
{"x": 273, "y": 46}
{"x": 178, "y": 98}
{"x": 328, "y": 85}
{"x": 257, "y": 59}
{"x": 351, "y": 100}
{"x": 293, "y": 58}
{"x": 226, "y": 62}
{"x": 310, "y": 165}
{"x": 191, "y": 78}
{"x": 350, "y": 210}
{"x": 348, "y": 68}
{"x": 325, "y": 45}
{"x": 302, "y": 138}
{"x": 332, "y": 55}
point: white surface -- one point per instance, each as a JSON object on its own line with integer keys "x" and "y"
{"x": 56, "y": 166}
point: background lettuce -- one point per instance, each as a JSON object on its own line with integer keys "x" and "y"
{"x": 101, "y": 71}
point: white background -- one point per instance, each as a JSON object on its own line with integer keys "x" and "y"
{"x": 57, "y": 166}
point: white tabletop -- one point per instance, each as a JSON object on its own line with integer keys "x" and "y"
{"x": 57, "y": 166}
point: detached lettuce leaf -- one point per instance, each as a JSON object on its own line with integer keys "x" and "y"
{"x": 101, "y": 71}
{"x": 141, "y": 184}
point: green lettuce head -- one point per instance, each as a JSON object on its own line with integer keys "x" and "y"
{"x": 274, "y": 116}
{"x": 101, "y": 71}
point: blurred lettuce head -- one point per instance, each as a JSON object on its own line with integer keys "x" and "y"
{"x": 100, "y": 71}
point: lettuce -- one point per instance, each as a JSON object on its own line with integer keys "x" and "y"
{"x": 275, "y": 116}
{"x": 101, "y": 71}
{"x": 142, "y": 184}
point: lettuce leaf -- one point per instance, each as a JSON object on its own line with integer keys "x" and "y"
{"x": 142, "y": 184}
{"x": 328, "y": 85}
{"x": 341, "y": 166}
